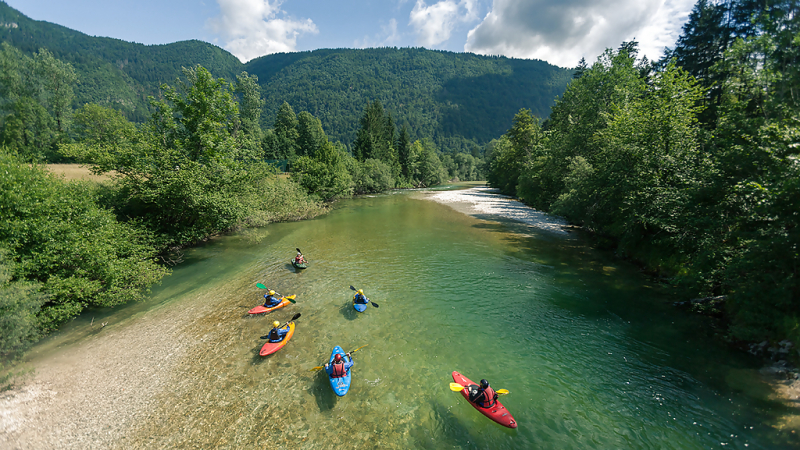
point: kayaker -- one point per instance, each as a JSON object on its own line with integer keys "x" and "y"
{"x": 277, "y": 333}
{"x": 299, "y": 258}
{"x": 360, "y": 298}
{"x": 272, "y": 299}
{"x": 339, "y": 367}
{"x": 484, "y": 396}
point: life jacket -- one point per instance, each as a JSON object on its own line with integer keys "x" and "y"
{"x": 487, "y": 397}
{"x": 359, "y": 298}
{"x": 273, "y": 335}
{"x": 338, "y": 370}
{"x": 297, "y": 259}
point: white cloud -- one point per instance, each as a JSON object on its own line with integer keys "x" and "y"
{"x": 388, "y": 37}
{"x": 253, "y": 28}
{"x": 563, "y": 32}
{"x": 433, "y": 24}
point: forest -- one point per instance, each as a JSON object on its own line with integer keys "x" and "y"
{"x": 457, "y": 100}
{"x": 688, "y": 165}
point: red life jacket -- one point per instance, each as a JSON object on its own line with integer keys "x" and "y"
{"x": 338, "y": 370}
{"x": 488, "y": 397}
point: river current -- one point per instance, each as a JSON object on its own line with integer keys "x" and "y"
{"x": 592, "y": 351}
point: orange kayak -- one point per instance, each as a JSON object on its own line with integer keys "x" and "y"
{"x": 262, "y": 309}
{"x": 272, "y": 347}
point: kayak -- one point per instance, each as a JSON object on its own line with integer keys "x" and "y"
{"x": 498, "y": 412}
{"x": 342, "y": 384}
{"x": 272, "y": 347}
{"x": 360, "y": 307}
{"x": 299, "y": 266}
{"x": 263, "y": 309}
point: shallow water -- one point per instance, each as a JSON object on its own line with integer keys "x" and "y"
{"x": 594, "y": 356}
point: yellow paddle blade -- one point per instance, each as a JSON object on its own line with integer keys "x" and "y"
{"x": 359, "y": 348}
{"x": 291, "y": 296}
{"x": 502, "y": 391}
{"x": 315, "y": 368}
{"x": 455, "y": 387}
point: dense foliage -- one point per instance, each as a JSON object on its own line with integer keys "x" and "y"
{"x": 57, "y": 235}
{"x": 689, "y": 165}
{"x": 456, "y": 99}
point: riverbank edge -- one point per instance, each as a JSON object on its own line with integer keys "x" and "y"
{"x": 777, "y": 371}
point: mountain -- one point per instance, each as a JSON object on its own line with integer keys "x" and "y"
{"x": 449, "y": 96}
{"x": 112, "y": 72}
{"x": 458, "y": 99}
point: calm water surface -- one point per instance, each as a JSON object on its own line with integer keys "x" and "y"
{"x": 594, "y": 356}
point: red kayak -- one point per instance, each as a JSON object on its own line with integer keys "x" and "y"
{"x": 272, "y": 347}
{"x": 498, "y": 412}
{"x": 262, "y": 309}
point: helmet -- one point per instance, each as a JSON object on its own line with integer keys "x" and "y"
{"x": 276, "y": 324}
{"x": 338, "y": 357}
{"x": 484, "y": 384}
{"x": 271, "y": 292}
{"x": 361, "y": 291}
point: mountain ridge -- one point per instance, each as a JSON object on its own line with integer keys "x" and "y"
{"x": 458, "y": 99}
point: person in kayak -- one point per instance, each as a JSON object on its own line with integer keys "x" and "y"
{"x": 278, "y": 332}
{"x": 272, "y": 298}
{"x": 484, "y": 396}
{"x": 339, "y": 367}
{"x": 299, "y": 259}
{"x": 360, "y": 297}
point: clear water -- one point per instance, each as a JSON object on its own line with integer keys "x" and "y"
{"x": 593, "y": 355}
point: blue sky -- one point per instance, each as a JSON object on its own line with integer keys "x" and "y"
{"x": 557, "y": 31}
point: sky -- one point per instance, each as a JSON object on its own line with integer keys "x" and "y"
{"x": 560, "y": 32}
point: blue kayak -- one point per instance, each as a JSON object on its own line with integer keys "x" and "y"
{"x": 360, "y": 307}
{"x": 342, "y": 384}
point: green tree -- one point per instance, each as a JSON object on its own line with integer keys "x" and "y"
{"x": 325, "y": 174}
{"x": 281, "y": 143}
{"x": 56, "y": 235}
{"x": 310, "y": 135}
{"x": 20, "y": 302}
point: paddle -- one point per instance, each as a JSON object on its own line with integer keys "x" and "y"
{"x": 288, "y": 297}
{"x": 295, "y": 317}
{"x": 322, "y": 367}
{"x": 455, "y": 387}
{"x": 373, "y": 303}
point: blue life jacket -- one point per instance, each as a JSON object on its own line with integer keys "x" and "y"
{"x": 271, "y": 301}
{"x": 277, "y": 334}
{"x": 360, "y": 298}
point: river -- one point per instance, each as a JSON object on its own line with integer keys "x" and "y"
{"x": 592, "y": 352}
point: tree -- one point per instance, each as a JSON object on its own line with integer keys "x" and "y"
{"x": 310, "y": 135}
{"x": 36, "y": 96}
{"x": 404, "y": 152}
{"x": 281, "y": 143}
{"x": 325, "y": 174}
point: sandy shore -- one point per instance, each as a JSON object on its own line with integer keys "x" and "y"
{"x": 89, "y": 395}
{"x": 484, "y": 201}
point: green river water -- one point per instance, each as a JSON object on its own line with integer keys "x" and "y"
{"x": 594, "y": 355}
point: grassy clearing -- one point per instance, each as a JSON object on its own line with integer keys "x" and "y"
{"x": 72, "y": 172}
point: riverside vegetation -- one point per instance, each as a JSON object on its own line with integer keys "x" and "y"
{"x": 196, "y": 168}
{"x": 688, "y": 165}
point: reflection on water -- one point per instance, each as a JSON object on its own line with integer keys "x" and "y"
{"x": 593, "y": 355}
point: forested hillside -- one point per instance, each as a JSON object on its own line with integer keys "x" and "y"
{"x": 112, "y": 72}
{"x": 454, "y": 98}
{"x": 458, "y": 100}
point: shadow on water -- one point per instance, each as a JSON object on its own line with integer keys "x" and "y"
{"x": 450, "y": 430}
{"x": 348, "y": 311}
{"x": 323, "y": 394}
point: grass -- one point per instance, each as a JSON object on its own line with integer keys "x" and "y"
{"x": 72, "y": 172}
